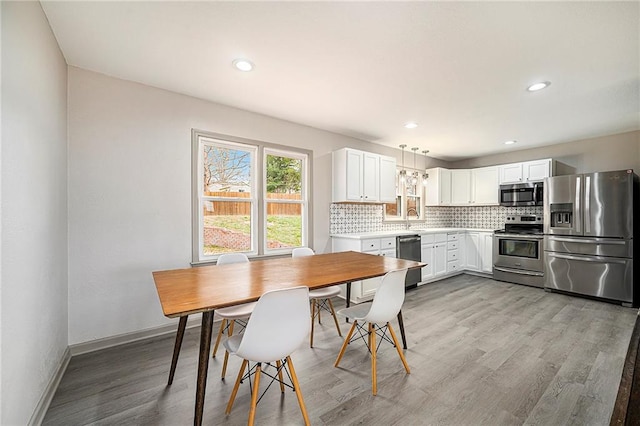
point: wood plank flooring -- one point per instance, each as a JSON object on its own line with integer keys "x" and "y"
{"x": 481, "y": 352}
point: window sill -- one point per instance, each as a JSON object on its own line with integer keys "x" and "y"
{"x": 251, "y": 258}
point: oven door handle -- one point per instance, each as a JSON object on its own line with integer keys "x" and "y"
{"x": 518, "y": 271}
{"x": 520, "y": 237}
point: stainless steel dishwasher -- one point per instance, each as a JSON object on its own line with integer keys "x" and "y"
{"x": 408, "y": 247}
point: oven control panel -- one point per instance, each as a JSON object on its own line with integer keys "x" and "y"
{"x": 526, "y": 219}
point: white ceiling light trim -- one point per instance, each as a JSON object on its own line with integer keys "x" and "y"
{"x": 510, "y": 142}
{"x": 411, "y": 125}
{"x": 539, "y": 86}
{"x": 243, "y": 65}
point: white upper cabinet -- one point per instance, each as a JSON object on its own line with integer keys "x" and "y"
{"x": 387, "y": 179}
{"x": 484, "y": 186}
{"x": 460, "y": 187}
{"x": 370, "y": 177}
{"x": 362, "y": 176}
{"x": 529, "y": 171}
{"x": 438, "y": 187}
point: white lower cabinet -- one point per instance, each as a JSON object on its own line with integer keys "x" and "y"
{"x": 365, "y": 289}
{"x": 479, "y": 251}
{"x": 455, "y": 252}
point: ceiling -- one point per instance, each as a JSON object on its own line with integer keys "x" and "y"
{"x": 363, "y": 69}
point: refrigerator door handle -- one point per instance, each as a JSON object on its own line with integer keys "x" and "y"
{"x": 587, "y": 205}
{"x": 587, "y": 259}
{"x": 576, "y": 209}
{"x": 587, "y": 241}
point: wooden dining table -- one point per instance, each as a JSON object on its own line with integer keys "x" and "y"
{"x": 204, "y": 289}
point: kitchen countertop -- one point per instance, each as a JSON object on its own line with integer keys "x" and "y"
{"x": 383, "y": 234}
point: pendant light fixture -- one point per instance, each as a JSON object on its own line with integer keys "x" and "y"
{"x": 425, "y": 175}
{"x": 414, "y": 175}
{"x": 403, "y": 172}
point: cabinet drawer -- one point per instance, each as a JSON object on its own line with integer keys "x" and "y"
{"x": 453, "y": 266}
{"x": 370, "y": 245}
{"x": 388, "y": 252}
{"x": 440, "y": 238}
{"x": 453, "y": 255}
{"x": 452, "y": 237}
{"x": 387, "y": 243}
{"x": 427, "y": 239}
{"x": 452, "y": 245}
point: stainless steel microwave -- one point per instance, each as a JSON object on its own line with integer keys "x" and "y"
{"x": 521, "y": 194}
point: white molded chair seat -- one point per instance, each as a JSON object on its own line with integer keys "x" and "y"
{"x": 320, "y": 298}
{"x": 324, "y": 293}
{"x": 385, "y": 306}
{"x": 231, "y": 315}
{"x": 277, "y": 327}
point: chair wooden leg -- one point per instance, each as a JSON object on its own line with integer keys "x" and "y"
{"x": 226, "y": 353}
{"x": 215, "y": 347}
{"x": 313, "y": 320}
{"x": 254, "y": 396}
{"x": 279, "y": 366}
{"x": 296, "y": 385}
{"x": 319, "y": 303}
{"x": 234, "y": 392}
{"x": 395, "y": 342}
{"x": 346, "y": 342}
{"x": 372, "y": 339}
{"x": 335, "y": 317}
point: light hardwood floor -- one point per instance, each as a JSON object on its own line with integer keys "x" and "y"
{"x": 480, "y": 352}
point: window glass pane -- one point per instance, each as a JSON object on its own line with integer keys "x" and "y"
{"x": 226, "y": 170}
{"x": 413, "y": 207}
{"x": 393, "y": 210}
{"x": 227, "y": 227}
{"x": 284, "y": 225}
{"x": 284, "y": 177}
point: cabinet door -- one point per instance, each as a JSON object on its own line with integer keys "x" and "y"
{"x": 487, "y": 252}
{"x": 427, "y": 257}
{"x": 485, "y": 186}
{"x": 387, "y": 179}
{"x": 370, "y": 177}
{"x": 536, "y": 170}
{"x": 445, "y": 187}
{"x": 511, "y": 173}
{"x": 460, "y": 187}
{"x": 440, "y": 259}
{"x": 354, "y": 175}
{"x": 472, "y": 251}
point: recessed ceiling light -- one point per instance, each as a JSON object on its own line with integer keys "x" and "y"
{"x": 510, "y": 142}
{"x": 410, "y": 125}
{"x": 538, "y": 86}
{"x": 243, "y": 64}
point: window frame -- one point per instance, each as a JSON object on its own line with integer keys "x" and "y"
{"x": 401, "y": 191}
{"x": 258, "y": 193}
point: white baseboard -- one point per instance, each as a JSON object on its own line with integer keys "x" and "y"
{"x": 121, "y": 339}
{"x": 43, "y": 405}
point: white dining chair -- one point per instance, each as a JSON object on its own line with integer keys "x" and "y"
{"x": 233, "y": 314}
{"x": 277, "y": 327}
{"x": 385, "y": 306}
{"x": 320, "y": 298}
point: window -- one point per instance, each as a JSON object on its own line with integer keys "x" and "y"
{"x": 249, "y": 197}
{"x": 408, "y": 205}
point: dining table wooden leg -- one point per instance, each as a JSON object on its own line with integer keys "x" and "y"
{"x": 401, "y": 326}
{"x": 182, "y": 325}
{"x": 203, "y": 365}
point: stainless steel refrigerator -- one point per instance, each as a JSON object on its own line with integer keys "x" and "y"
{"x": 589, "y": 232}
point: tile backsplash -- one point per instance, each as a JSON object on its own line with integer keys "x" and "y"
{"x": 356, "y": 218}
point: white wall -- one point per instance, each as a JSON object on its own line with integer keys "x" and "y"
{"x": 613, "y": 152}
{"x": 130, "y": 192}
{"x": 34, "y": 209}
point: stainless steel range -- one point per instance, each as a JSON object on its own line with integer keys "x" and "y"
{"x": 518, "y": 255}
